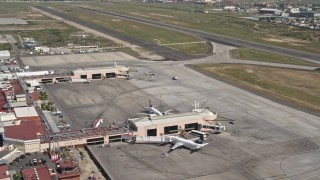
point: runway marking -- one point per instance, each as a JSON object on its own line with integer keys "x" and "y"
{"x": 198, "y": 42}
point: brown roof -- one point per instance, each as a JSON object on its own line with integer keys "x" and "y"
{"x": 68, "y": 163}
{"x": 27, "y": 130}
{"x": 35, "y": 96}
{"x": 3, "y": 169}
{"x": 17, "y": 87}
{"x": 36, "y": 173}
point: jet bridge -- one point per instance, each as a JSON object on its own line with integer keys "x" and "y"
{"x": 218, "y": 127}
{"x": 149, "y": 139}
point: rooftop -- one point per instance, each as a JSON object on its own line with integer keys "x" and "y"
{"x": 120, "y": 68}
{"x": 3, "y": 171}
{"x": 27, "y": 130}
{"x": 68, "y": 163}
{"x": 68, "y": 168}
{"x": 18, "y": 104}
{"x": 155, "y": 120}
{"x": 35, "y": 96}
{"x": 41, "y": 173}
{"x": 4, "y": 53}
{"x": 17, "y": 87}
{"x": 25, "y": 112}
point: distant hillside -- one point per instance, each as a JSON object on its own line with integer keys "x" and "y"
{"x": 279, "y": 1}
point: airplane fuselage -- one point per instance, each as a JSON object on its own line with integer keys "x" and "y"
{"x": 187, "y": 143}
{"x": 155, "y": 111}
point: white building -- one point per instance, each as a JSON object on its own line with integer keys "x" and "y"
{"x": 4, "y": 54}
{"x": 230, "y": 8}
{"x": 294, "y": 10}
{"x": 42, "y": 49}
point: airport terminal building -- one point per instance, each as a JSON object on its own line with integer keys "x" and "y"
{"x": 33, "y": 138}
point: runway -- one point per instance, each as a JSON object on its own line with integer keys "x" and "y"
{"x": 219, "y": 38}
{"x": 168, "y": 53}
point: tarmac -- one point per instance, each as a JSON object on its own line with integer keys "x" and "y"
{"x": 268, "y": 140}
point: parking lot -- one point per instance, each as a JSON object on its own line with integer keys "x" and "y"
{"x": 27, "y": 161}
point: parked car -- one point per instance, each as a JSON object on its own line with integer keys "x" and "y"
{"x": 35, "y": 162}
{"x": 12, "y": 163}
{"x": 28, "y": 154}
{"x": 17, "y": 159}
{"x": 22, "y": 156}
{"x": 30, "y": 162}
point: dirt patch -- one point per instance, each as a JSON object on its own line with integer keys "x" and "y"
{"x": 138, "y": 14}
{"x": 134, "y": 26}
{"x": 291, "y": 41}
{"x": 162, "y": 15}
{"x": 116, "y": 20}
{"x": 86, "y": 165}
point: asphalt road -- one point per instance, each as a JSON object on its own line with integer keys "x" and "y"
{"x": 168, "y": 53}
{"x": 16, "y": 49}
{"x": 220, "y": 39}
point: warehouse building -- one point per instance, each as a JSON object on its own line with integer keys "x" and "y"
{"x": 306, "y": 14}
{"x": 270, "y": 11}
{"x": 100, "y": 73}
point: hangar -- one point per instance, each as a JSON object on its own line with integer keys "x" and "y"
{"x": 100, "y": 73}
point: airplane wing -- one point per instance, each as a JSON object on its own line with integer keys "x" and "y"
{"x": 167, "y": 112}
{"x": 195, "y": 139}
{"x": 176, "y": 145}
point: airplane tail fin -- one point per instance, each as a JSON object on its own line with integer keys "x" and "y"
{"x": 201, "y": 145}
{"x": 150, "y": 103}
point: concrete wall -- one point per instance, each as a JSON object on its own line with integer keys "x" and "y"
{"x": 32, "y": 146}
{"x": 36, "y": 119}
{"x": 142, "y": 130}
{"x": 67, "y": 143}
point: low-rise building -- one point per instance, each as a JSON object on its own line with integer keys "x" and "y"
{"x": 68, "y": 169}
{"x": 170, "y": 124}
{"x": 24, "y": 136}
{"x": 4, "y": 172}
{"x": 42, "y": 49}
{"x": 4, "y": 54}
{"x": 270, "y": 11}
{"x": 27, "y": 114}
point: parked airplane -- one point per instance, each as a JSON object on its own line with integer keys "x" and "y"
{"x": 175, "y": 140}
{"x": 155, "y": 112}
{"x": 186, "y": 143}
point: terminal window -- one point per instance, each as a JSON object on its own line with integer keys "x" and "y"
{"x": 170, "y": 129}
{"x": 192, "y": 126}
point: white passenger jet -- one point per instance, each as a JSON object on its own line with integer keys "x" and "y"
{"x": 175, "y": 140}
{"x": 155, "y": 112}
{"x": 178, "y": 142}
